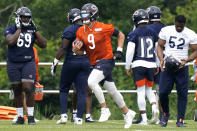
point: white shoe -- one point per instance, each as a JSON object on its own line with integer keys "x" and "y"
{"x": 128, "y": 118}
{"x": 78, "y": 121}
{"x": 63, "y": 119}
{"x": 155, "y": 116}
{"x": 145, "y": 123}
{"x": 36, "y": 120}
{"x": 15, "y": 118}
{"x": 105, "y": 114}
{"x": 157, "y": 122}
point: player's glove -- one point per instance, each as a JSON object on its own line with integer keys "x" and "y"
{"x": 18, "y": 23}
{"x": 53, "y": 67}
{"x": 33, "y": 26}
{"x": 117, "y": 55}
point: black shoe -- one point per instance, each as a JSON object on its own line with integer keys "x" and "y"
{"x": 89, "y": 119}
{"x": 19, "y": 121}
{"x": 180, "y": 123}
{"x": 139, "y": 119}
{"x": 31, "y": 120}
{"x": 74, "y": 115}
{"x": 164, "y": 120}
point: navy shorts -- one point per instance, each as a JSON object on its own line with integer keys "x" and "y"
{"x": 21, "y": 72}
{"x": 143, "y": 76}
{"x": 74, "y": 72}
{"x": 107, "y": 66}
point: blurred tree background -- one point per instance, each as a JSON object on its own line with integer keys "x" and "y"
{"x": 51, "y": 18}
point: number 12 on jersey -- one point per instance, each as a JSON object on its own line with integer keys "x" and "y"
{"x": 146, "y": 47}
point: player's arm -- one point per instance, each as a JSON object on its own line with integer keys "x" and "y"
{"x": 160, "y": 47}
{"x": 77, "y": 47}
{"x": 11, "y": 39}
{"x": 121, "y": 38}
{"x": 129, "y": 57}
{"x": 40, "y": 40}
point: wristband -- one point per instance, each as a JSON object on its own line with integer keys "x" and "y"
{"x": 119, "y": 49}
{"x": 56, "y": 61}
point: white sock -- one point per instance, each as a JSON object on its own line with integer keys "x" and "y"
{"x": 144, "y": 117}
{"x": 19, "y": 111}
{"x": 30, "y": 111}
{"x": 88, "y": 115}
{"x": 154, "y": 107}
{"x": 75, "y": 111}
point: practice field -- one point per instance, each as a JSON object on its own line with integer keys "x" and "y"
{"x": 111, "y": 125}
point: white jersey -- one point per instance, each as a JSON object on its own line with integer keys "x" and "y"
{"x": 177, "y": 43}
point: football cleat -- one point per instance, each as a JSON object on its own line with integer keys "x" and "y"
{"x": 31, "y": 120}
{"x": 164, "y": 120}
{"x": 139, "y": 119}
{"x": 63, "y": 119}
{"x": 145, "y": 123}
{"x": 128, "y": 118}
{"x": 19, "y": 121}
{"x": 155, "y": 116}
{"x": 105, "y": 114}
{"x": 89, "y": 119}
{"x": 78, "y": 121}
{"x": 180, "y": 123}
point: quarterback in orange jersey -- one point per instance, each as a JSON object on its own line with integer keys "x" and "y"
{"x": 95, "y": 38}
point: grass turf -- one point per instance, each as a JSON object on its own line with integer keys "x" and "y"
{"x": 111, "y": 125}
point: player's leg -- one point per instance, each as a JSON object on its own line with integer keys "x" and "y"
{"x": 150, "y": 95}
{"x": 110, "y": 86}
{"x": 74, "y": 103}
{"x": 139, "y": 74}
{"x": 67, "y": 76}
{"x": 28, "y": 79}
{"x": 88, "y": 105}
{"x": 165, "y": 86}
{"x": 182, "y": 81}
{"x": 14, "y": 75}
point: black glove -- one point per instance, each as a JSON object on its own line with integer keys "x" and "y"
{"x": 118, "y": 55}
{"x": 33, "y": 26}
{"x": 18, "y": 22}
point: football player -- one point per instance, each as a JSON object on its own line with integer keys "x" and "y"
{"x": 155, "y": 25}
{"x": 140, "y": 51}
{"x": 95, "y": 38}
{"x": 176, "y": 39}
{"x": 74, "y": 70}
{"x": 21, "y": 66}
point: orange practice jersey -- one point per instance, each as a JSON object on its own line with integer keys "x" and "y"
{"x": 97, "y": 41}
{"x": 36, "y": 61}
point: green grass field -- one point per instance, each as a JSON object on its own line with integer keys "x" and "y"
{"x": 111, "y": 125}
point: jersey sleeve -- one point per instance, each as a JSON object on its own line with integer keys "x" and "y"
{"x": 131, "y": 37}
{"x": 68, "y": 34}
{"x": 162, "y": 34}
{"x": 109, "y": 29}
{"x": 193, "y": 38}
{"x": 78, "y": 33}
{"x": 9, "y": 30}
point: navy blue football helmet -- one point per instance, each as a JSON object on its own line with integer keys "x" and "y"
{"x": 140, "y": 16}
{"x": 171, "y": 64}
{"x": 24, "y": 11}
{"x": 154, "y": 13}
{"x": 74, "y": 15}
{"x": 89, "y": 12}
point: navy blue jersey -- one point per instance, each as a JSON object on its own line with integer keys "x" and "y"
{"x": 144, "y": 40}
{"x": 70, "y": 34}
{"x": 156, "y": 27}
{"x": 22, "y": 51}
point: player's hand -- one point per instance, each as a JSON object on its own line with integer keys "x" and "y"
{"x": 156, "y": 71}
{"x": 18, "y": 23}
{"x": 118, "y": 55}
{"x": 128, "y": 72}
{"x": 54, "y": 66}
{"x": 162, "y": 64}
{"x": 77, "y": 44}
{"x": 183, "y": 62}
{"x": 33, "y": 26}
